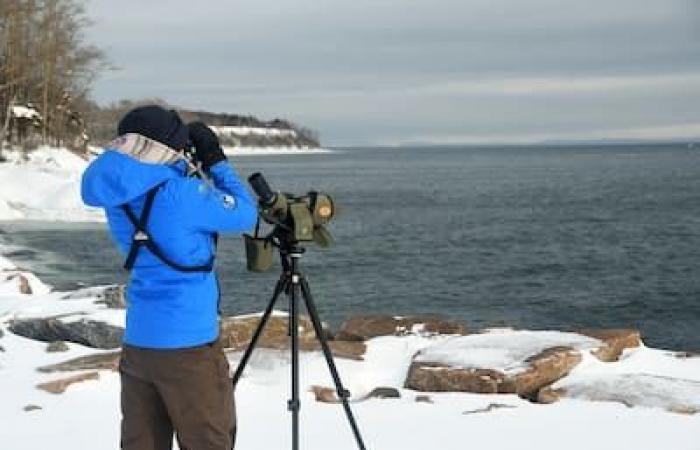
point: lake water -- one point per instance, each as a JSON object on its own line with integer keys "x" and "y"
{"x": 529, "y": 237}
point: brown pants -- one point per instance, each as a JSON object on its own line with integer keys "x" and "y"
{"x": 186, "y": 391}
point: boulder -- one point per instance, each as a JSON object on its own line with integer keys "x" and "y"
{"x": 498, "y": 361}
{"x": 615, "y": 342}
{"x": 58, "y": 346}
{"x": 545, "y": 368}
{"x": 384, "y": 392}
{"x": 340, "y": 349}
{"x": 100, "y": 361}
{"x": 434, "y": 377}
{"x": 360, "y": 328}
{"x": 113, "y": 297}
{"x": 86, "y": 332}
{"x": 236, "y": 332}
{"x": 60, "y": 386}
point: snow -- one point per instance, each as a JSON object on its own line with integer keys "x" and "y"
{"x": 24, "y": 112}
{"x": 651, "y": 381}
{"x": 45, "y": 186}
{"x": 258, "y": 131}
{"x": 504, "y": 350}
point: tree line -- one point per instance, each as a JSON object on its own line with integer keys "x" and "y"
{"x": 46, "y": 71}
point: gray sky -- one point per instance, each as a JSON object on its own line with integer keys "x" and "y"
{"x": 410, "y": 71}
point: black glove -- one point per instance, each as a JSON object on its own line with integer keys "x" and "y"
{"x": 206, "y": 144}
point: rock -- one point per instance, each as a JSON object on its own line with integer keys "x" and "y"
{"x": 424, "y": 399}
{"x": 432, "y": 377}
{"x": 616, "y": 341}
{"x": 58, "y": 346}
{"x": 384, "y": 392}
{"x": 29, "y": 408}
{"x": 100, "y": 361}
{"x": 236, "y": 332}
{"x": 24, "y": 286}
{"x": 60, "y": 386}
{"x": 543, "y": 369}
{"x": 340, "y": 349}
{"x": 2, "y": 349}
{"x": 680, "y": 355}
{"x": 86, "y": 332}
{"x": 113, "y": 297}
{"x": 683, "y": 409}
{"x": 360, "y": 328}
{"x": 324, "y": 394}
{"x": 548, "y": 395}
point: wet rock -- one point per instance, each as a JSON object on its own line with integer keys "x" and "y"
{"x": 58, "y": 346}
{"x": 100, "y": 361}
{"x": 60, "y": 386}
{"x": 360, "y": 328}
{"x": 86, "y": 332}
{"x": 543, "y": 369}
{"x": 384, "y": 392}
{"x": 615, "y": 340}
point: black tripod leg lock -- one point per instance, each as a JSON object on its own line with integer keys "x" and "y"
{"x": 293, "y": 405}
{"x": 343, "y": 394}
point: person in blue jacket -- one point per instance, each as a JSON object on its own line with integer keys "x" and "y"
{"x": 175, "y": 377}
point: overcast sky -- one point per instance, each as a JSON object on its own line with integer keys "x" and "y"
{"x": 410, "y": 71}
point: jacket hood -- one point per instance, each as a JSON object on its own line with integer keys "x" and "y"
{"x": 114, "y": 178}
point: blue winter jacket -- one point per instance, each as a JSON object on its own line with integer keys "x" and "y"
{"x": 167, "y": 308}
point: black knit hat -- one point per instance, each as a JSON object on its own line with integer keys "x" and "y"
{"x": 156, "y": 123}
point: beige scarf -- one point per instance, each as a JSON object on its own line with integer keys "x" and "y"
{"x": 150, "y": 151}
{"x": 145, "y": 150}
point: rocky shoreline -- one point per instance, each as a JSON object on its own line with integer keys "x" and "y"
{"x": 450, "y": 357}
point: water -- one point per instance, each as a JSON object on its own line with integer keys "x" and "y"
{"x": 529, "y": 237}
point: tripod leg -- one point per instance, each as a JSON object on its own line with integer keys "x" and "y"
{"x": 279, "y": 287}
{"x": 294, "y": 403}
{"x": 343, "y": 394}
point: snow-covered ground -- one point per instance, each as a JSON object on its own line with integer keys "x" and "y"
{"x": 620, "y": 405}
{"x": 44, "y": 187}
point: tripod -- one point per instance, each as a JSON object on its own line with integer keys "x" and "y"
{"x": 293, "y": 283}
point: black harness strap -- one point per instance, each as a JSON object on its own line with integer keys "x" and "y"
{"x": 143, "y": 239}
